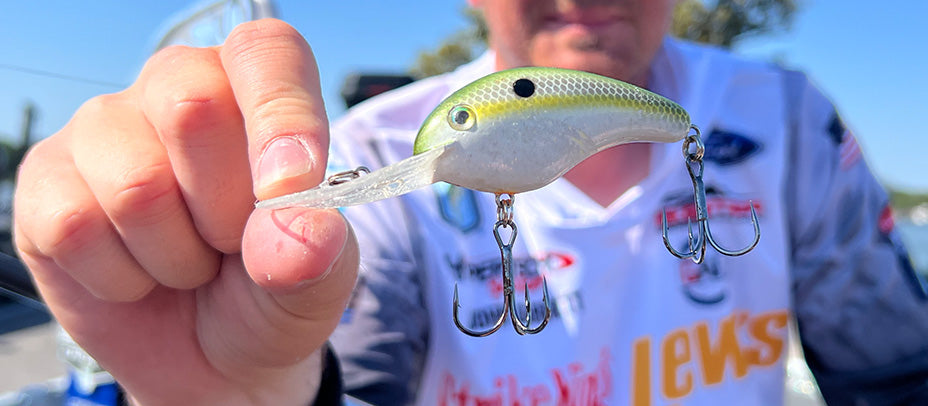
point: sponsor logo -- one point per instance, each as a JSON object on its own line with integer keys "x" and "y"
{"x": 728, "y": 148}
{"x": 703, "y": 283}
{"x": 681, "y": 210}
{"x": 528, "y": 273}
{"x": 570, "y": 303}
{"x": 573, "y": 384}
{"x": 665, "y": 370}
{"x": 694, "y": 358}
{"x": 525, "y": 269}
{"x": 458, "y": 206}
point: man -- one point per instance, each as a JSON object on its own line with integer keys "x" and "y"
{"x": 137, "y": 222}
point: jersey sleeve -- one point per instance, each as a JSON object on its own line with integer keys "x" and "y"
{"x": 382, "y": 336}
{"x": 860, "y": 307}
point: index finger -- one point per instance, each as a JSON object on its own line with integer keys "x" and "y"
{"x": 276, "y": 85}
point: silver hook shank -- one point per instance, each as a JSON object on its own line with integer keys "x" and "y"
{"x": 505, "y": 214}
{"x": 697, "y": 244}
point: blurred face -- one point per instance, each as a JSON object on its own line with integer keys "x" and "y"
{"x": 616, "y": 38}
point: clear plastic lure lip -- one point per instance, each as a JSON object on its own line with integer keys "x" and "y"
{"x": 397, "y": 179}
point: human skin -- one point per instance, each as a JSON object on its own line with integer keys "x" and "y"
{"x": 615, "y": 38}
{"x": 137, "y": 222}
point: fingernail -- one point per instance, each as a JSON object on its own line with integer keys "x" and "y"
{"x": 283, "y": 158}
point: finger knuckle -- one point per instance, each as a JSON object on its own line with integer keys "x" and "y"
{"x": 68, "y": 230}
{"x": 34, "y": 199}
{"x": 35, "y": 158}
{"x": 188, "y": 97}
{"x": 21, "y": 243}
{"x": 144, "y": 195}
{"x": 281, "y": 112}
{"x": 187, "y": 113}
{"x": 253, "y": 33}
{"x": 168, "y": 57}
{"x": 97, "y": 108}
{"x": 171, "y": 52}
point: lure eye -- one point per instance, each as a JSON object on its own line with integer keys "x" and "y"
{"x": 462, "y": 118}
{"x": 524, "y": 87}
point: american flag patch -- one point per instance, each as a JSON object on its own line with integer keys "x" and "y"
{"x": 848, "y": 151}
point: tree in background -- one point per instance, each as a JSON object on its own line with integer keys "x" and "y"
{"x": 12, "y": 151}
{"x": 456, "y": 50}
{"x": 722, "y": 23}
{"x": 726, "y": 21}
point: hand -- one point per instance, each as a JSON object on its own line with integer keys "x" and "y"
{"x": 137, "y": 221}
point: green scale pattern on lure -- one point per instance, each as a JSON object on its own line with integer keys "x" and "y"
{"x": 512, "y": 131}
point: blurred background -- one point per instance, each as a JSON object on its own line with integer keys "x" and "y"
{"x": 54, "y": 55}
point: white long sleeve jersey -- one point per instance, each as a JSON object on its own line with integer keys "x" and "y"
{"x": 631, "y": 324}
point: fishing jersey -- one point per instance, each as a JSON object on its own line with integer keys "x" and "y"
{"x": 630, "y": 323}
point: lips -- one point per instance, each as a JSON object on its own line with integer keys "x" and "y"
{"x": 589, "y": 18}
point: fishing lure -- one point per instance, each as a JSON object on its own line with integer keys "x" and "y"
{"x": 518, "y": 130}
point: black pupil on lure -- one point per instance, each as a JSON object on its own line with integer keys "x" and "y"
{"x": 524, "y": 87}
{"x": 461, "y": 116}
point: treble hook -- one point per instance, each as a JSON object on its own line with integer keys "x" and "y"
{"x": 697, "y": 243}
{"x": 504, "y": 214}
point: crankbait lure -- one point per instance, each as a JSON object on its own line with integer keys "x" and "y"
{"x": 518, "y": 130}
{"x": 512, "y": 131}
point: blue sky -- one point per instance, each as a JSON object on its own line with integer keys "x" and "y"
{"x": 870, "y": 58}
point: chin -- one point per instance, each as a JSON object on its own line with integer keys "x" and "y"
{"x": 595, "y": 62}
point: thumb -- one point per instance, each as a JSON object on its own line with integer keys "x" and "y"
{"x": 305, "y": 259}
